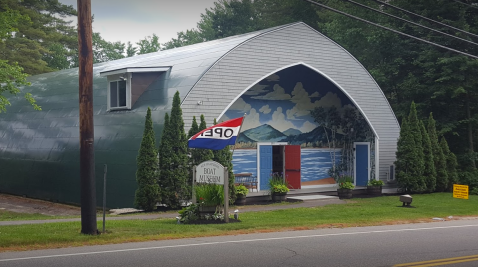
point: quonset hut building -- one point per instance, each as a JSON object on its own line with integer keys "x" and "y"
{"x": 280, "y": 77}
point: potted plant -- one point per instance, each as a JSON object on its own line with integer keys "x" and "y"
{"x": 374, "y": 187}
{"x": 241, "y": 193}
{"x": 345, "y": 187}
{"x": 278, "y": 187}
{"x": 210, "y": 198}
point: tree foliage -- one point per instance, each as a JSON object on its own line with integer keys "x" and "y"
{"x": 42, "y": 35}
{"x": 173, "y": 158}
{"x": 149, "y": 44}
{"x": 438, "y": 156}
{"x": 11, "y": 74}
{"x": 147, "y": 194}
{"x": 451, "y": 164}
{"x": 429, "y": 173}
{"x": 417, "y": 166}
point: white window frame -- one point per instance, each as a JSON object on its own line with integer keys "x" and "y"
{"x": 116, "y": 78}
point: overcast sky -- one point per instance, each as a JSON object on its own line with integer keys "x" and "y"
{"x": 132, "y": 20}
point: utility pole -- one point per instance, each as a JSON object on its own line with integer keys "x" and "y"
{"x": 87, "y": 137}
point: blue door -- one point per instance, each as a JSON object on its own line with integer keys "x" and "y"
{"x": 265, "y": 156}
{"x": 361, "y": 164}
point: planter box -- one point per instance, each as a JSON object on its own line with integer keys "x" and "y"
{"x": 374, "y": 190}
{"x": 344, "y": 193}
{"x": 279, "y": 197}
{"x": 203, "y": 210}
{"x": 240, "y": 200}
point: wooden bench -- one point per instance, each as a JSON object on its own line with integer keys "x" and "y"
{"x": 246, "y": 179}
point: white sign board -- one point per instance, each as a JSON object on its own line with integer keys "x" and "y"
{"x": 210, "y": 172}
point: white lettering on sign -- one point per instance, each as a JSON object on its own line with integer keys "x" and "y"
{"x": 210, "y": 172}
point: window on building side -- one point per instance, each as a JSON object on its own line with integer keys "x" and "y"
{"x": 118, "y": 94}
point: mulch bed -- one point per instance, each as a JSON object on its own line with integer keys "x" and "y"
{"x": 202, "y": 221}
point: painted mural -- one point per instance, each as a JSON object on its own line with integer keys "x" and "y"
{"x": 301, "y": 107}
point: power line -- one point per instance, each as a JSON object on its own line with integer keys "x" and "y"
{"x": 425, "y": 18}
{"x": 472, "y": 6}
{"x": 411, "y": 22}
{"x": 392, "y": 30}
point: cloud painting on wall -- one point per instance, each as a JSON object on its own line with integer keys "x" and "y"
{"x": 278, "y": 108}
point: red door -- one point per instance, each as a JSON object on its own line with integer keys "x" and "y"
{"x": 292, "y": 166}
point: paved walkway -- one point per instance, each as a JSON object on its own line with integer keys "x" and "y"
{"x": 306, "y": 203}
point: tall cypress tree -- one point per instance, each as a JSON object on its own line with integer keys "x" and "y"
{"x": 174, "y": 169}
{"x": 451, "y": 164}
{"x": 438, "y": 156}
{"x": 147, "y": 193}
{"x": 224, "y": 156}
{"x": 406, "y": 155}
{"x": 418, "y": 166}
{"x": 430, "y": 172}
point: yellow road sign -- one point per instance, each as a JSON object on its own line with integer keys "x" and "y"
{"x": 460, "y": 191}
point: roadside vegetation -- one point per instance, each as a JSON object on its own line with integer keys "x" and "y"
{"x": 357, "y": 212}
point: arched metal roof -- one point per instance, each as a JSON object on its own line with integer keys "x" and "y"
{"x": 39, "y": 150}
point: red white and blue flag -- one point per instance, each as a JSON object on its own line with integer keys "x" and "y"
{"x": 218, "y": 136}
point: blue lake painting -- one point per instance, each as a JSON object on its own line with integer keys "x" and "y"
{"x": 315, "y": 162}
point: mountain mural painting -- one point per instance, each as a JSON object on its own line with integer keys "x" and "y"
{"x": 283, "y": 108}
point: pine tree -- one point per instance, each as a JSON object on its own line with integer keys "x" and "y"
{"x": 451, "y": 164}
{"x": 438, "y": 156}
{"x": 224, "y": 157}
{"x": 406, "y": 155}
{"x": 418, "y": 166}
{"x": 147, "y": 193}
{"x": 164, "y": 151}
{"x": 430, "y": 172}
{"x": 173, "y": 165}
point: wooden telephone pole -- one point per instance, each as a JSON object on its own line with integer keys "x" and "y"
{"x": 87, "y": 137}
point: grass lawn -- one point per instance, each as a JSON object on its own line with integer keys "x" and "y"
{"x": 358, "y": 212}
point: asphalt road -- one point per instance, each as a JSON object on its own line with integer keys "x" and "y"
{"x": 364, "y": 246}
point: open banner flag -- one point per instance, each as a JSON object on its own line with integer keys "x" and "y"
{"x": 218, "y": 136}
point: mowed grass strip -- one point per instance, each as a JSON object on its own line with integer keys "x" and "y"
{"x": 358, "y": 212}
{"x": 6, "y": 215}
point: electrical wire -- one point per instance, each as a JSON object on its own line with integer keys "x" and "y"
{"x": 392, "y": 30}
{"x": 465, "y": 4}
{"x": 411, "y": 22}
{"x": 425, "y": 18}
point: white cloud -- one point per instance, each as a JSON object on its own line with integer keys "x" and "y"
{"x": 307, "y": 127}
{"x": 316, "y": 94}
{"x": 329, "y": 100}
{"x": 240, "y": 105}
{"x": 277, "y": 94}
{"x": 279, "y": 122}
{"x": 273, "y": 78}
{"x": 251, "y": 120}
{"x": 304, "y": 103}
{"x": 257, "y": 89}
{"x": 265, "y": 109}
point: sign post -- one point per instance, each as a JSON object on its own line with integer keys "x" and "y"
{"x": 211, "y": 172}
{"x": 460, "y": 191}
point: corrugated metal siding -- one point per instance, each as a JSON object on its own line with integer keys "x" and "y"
{"x": 251, "y": 61}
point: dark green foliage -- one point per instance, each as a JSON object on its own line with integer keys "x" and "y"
{"x": 429, "y": 172}
{"x": 418, "y": 167}
{"x": 406, "y": 158}
{"x": 469, "y": 178}
{"x": 438, "y": 157}
{"x": 224, "y": 157}
{"x": 451, "y": 164}
{"x": 173, "y": 159}
{"x": 147, "y": 193}
{"x": 42, "y": 36}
